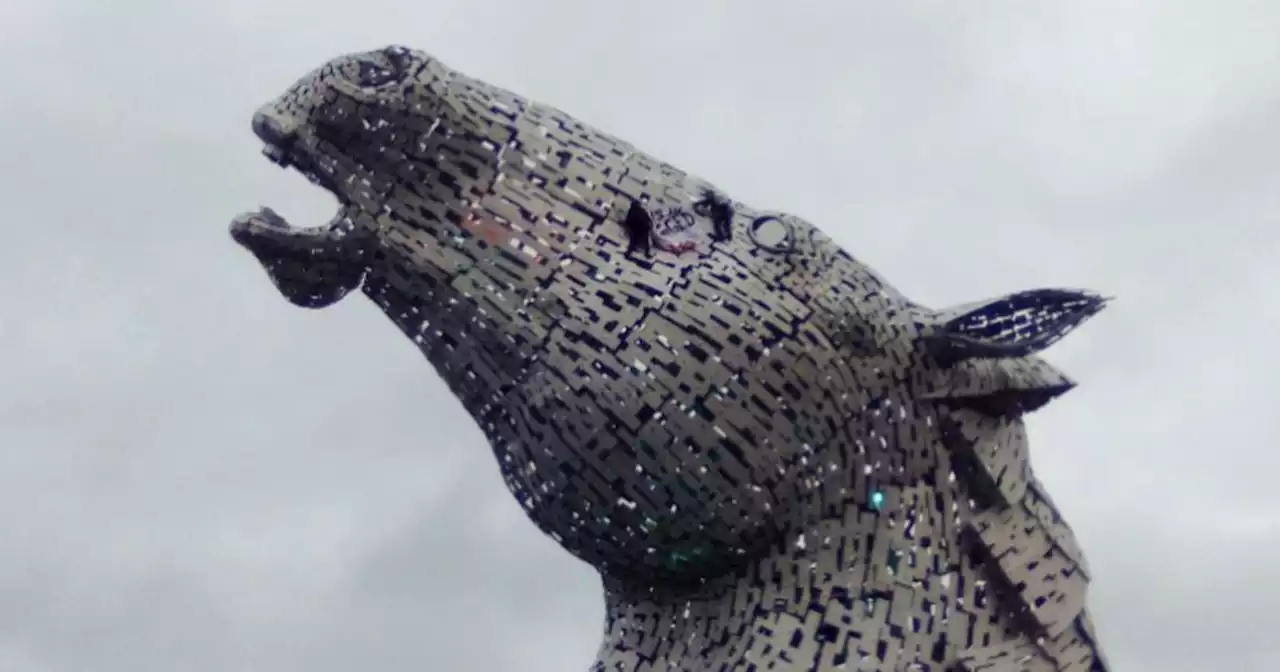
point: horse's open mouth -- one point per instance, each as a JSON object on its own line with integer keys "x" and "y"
{"x": 311, "y": 266}
{"x": 288, "y": 148}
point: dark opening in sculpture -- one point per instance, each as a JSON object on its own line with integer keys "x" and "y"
{"x": 773, "y": 458}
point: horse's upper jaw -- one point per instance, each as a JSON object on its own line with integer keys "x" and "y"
{"x": 312, "y": 266}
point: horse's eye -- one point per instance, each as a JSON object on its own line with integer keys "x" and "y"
{"x": 401, "y": 57}
{"x": 389, "y": 67}
{"x": 373, "y": 75}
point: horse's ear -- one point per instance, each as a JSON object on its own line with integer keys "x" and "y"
{"x": 1014, "y": 325}
{"x": 998, "y": 387}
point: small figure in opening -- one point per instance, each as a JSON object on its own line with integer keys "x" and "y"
{"x": 639, "y": 226}
{"x": 720, "y": 210}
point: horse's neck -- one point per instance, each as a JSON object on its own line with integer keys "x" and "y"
{"x": 973, "y": 570}
{"x": 866, "y": 591}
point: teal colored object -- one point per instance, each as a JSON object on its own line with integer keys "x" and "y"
{"x": 877, "y": 500}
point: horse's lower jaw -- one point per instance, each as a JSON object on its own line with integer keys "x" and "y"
{"x": 311, "y": 267}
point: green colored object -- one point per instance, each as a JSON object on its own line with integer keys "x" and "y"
{"x": 877, "y": 500}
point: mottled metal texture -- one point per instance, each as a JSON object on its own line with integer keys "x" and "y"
{"x": 775, "y": 460}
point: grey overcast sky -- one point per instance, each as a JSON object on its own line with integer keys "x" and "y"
{"x": 196, "y": 476}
